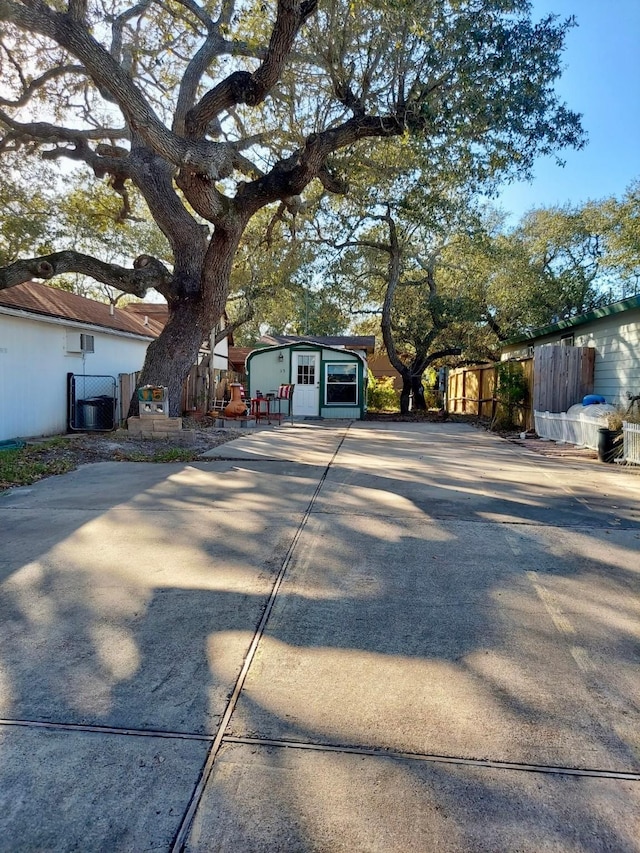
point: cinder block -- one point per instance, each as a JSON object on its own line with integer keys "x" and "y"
{"x": 154, "y": 427}
{"x": 235, "y": 423}
{"x": 134, "y": 426}
{"x": 154, "y": 409}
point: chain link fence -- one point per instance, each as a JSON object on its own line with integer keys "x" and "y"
{"x": 92, "y": 403}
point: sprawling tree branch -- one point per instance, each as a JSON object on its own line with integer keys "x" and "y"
{"x": 291, "y": 175}
{"x": 45, "y": 132}
{"x": 208, "y": 158}
{"x": 37, "y": 83}
{"x": 242, "y": 87}
{"x": 148, "y": 272}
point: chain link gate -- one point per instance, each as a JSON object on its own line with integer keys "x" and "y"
{"x": 92, "y": 403}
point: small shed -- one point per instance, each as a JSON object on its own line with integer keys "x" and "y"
{"x": 330, "y": 381}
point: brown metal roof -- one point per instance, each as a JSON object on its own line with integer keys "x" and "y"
{"x": 47, "y": 301}
{"x": 237, "y": 357}
{"x": 153, "y": 315}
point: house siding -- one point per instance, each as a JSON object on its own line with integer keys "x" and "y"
{"x": 341, "y": 412}
{"x": 617, "y": 366}
{"x": 616, "y": 340}
{"x": 267, "y": 373}
{"x": 33, "y": 371}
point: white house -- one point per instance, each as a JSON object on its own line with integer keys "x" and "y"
{"x": 47, "y": 336}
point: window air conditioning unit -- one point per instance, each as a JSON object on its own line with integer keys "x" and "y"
{"x": 80, "y": 342}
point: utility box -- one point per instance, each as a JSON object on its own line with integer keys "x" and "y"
{"x": 153, "y": 401}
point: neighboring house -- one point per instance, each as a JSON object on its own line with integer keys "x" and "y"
{"x": 46, "y": 334}
{"x": 381, "y": 367}
{"x": 330, "y": 381}
{"x": 237, "y": 362}
{"x": 614, "y": 333}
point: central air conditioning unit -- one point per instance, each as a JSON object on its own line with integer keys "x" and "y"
{"x": 80, "y": 342}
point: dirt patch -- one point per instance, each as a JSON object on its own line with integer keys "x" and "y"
{"x": 196, "y": 437}
{"x": 430, "y": 416}
{"x": 554, "y": 449}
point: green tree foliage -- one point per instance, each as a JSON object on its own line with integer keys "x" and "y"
{"x": 381, "y": 395}
{"x": 559, "y": 262}
{"x": 409, "y": 269}
{"x": 273, "y": 289}
{"x": 27, "y": 211}
{"x": 511, "y": 391}
{"x": 621, "y": 227}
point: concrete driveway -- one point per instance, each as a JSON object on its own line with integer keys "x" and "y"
{"x": 375, "y": 637}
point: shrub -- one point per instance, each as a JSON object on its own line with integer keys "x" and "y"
{"x": 381, "y": 395}
{"x": 512, "y": 391}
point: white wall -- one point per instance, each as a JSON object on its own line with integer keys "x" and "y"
{"x": 33, "y": 371}
{"x": 221, "y": 355}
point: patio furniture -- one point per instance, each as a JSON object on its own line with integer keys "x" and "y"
{"x": 284, "y": 395}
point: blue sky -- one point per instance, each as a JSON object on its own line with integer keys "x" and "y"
{"x": 602, "y": 82}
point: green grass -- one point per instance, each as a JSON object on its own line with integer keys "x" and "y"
{"x": 29, "y": 464}
{"x": 35, "y": 462}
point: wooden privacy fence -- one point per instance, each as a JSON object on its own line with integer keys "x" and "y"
{"x": 564, "y": 375}
{"x": 195, "y": 391}
{"x": 472, "y": 391}
{"x": 127, "y": 382}
{"x": 557, "y": 377}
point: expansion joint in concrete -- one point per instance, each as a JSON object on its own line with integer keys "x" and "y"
{"x": 487, "y": 764}
{"x": 185, "y": 825}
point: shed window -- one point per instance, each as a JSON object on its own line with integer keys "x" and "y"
{"x": 342, "y": 384}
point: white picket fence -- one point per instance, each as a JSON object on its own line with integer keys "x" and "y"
{"x": 560, "y": 426}
{"x": 631, "y": 442}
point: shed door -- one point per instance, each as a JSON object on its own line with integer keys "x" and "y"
{"x": 306, "y": 377}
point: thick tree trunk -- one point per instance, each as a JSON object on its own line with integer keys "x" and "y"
{"x": 170, "y": 357}
{"x": 405, "y": 394}
{"x": 412, "y": 388}
{"x": 192, "y": 316}
{"x": 419, "y": 403}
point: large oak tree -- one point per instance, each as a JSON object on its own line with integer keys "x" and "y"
{"x": 214, "y": 111}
